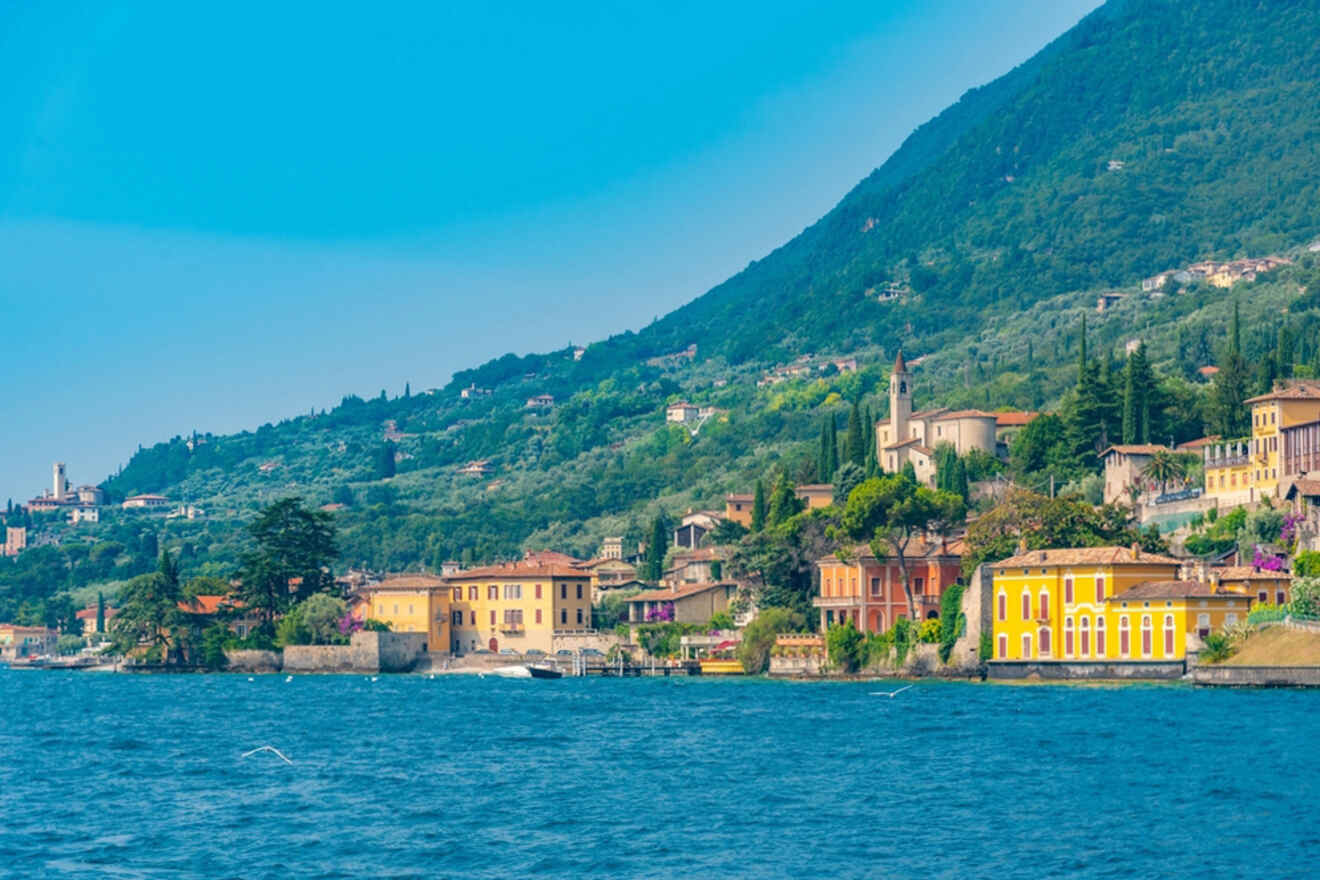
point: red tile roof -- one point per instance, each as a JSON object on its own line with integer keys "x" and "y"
{"x": 1085, "y": 556}
{"x": 1135, "y": 449}
{"x": 681, "y": 592}
{"x": 1295, "y": 391}
{"x": 407, "y": 582}
{"x": 1015, "y": 419}
{"x": 523, "y": 569}
{"x": 1170, "y": 590}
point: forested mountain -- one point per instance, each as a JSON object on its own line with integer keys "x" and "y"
{"x": 1154, "y": 134}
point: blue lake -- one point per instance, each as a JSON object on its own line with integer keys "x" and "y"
{"x": 141, "y": 776}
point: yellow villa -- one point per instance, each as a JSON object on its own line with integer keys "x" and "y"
{"x": 1246, "y": 471}
{"x": 518, "y": 605}
{"x": 415, "y": 603}
{"x": 1102, "y": 604}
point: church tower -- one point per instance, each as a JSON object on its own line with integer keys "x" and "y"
{"x": 900, "y": 400}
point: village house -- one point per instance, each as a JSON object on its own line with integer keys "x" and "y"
{"x": 479, "y": 468}
{"x": 413, "y": 603}
{"x": 1282, "y": 448}
{"x": 1125, "y": 465}
{"x": 1106, "y": 301}
{"x": 19, "y": 642}
{"x": 1262, "y": 586}
{"x": 681, "y": 413}
{"x": 520, "y": 605}
{"x": 694, "y": 526}
{"x": 1103, "y": 604}
{"x": 15, "y": 541}
{"x": 88, "y": 617}
{"x": 703, "y": 565}
{"x": 145, "y": 502}
{"x": 869, "y": 591}
{"x": 1007, "y": 426}
{"x": 540, "y": 401}
{"x": 685, "y": 603}
{"x": 472, "y": 392}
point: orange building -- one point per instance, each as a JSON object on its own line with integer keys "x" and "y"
{"x": 869, "y": 591}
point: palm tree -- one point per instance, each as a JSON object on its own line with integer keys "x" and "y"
{"x": 1165, "y": 467}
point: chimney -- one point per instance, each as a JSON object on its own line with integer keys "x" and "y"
{"x": 1136, "y": 550}
{"x": 1022, "y": 545}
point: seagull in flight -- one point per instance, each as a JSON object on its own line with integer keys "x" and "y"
{"x": 283, "y": 757}
{"x": 890, "y": 694}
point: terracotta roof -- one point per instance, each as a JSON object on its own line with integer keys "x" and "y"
{"x": 1169, "y": 590}
{"x": 916, "y": 551}
{"x": 551, "y": 557}
{"x": 1208, "y": 370}
{"x": 929, "y": 413}
{"x": 522, "y": 569}
{"x": 1305, "y": 487}
{"x": 1013, "y": 419}
{"x": 739, "y": 497}
{"x": 208, "y": 604}
{"x": 967, "y": 414}
{"x": 1296, "y": 391}
{"x": 1199, "y": 443}
{"x": 89, "y": 613}
{"x": 815, "y": 487}
{"x": 915, "y": 441}
{"x": 1085, "y": 556}
{"x": 1230, "y": 573}
{"x": 407, "y": 582}
{"x": 1135, "y": 449}
{"x": 677, "y": 593}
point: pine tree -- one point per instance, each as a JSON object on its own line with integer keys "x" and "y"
{"x": 759, "y": 507}
{"x": 834, "y": 445}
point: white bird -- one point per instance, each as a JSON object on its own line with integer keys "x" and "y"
{"x": 250, "y": 678}
{"x": 289, "y": 678}
{"x": 373, "y": 678}
{"x": 890, "y": 694}
{"x": 268, "y": 749}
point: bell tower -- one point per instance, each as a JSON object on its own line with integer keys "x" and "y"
{"x": 900, "y": 400}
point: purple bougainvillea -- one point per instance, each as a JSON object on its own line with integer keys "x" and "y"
{"x": 1266, "y": 562}
{"x": 662, "y": 613}
{"x": 1289, "y": 530}
{"x": 348, "y": 624}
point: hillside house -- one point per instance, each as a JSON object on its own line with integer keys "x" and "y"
{"x": 540, "y": 401}
{"x": 688, "y": 603}
{"x": 1123, "y": 468}
{"x": 694, "y": 526}
{"x": 145, "y": 502}
{"x": 479, "y": 468}
{"x": 472, "y": 392}
{"x": 681, "y": 413}
{"x": 1106, "y": 301}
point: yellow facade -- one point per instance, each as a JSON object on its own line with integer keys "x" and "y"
{"x": 1229, "y": 480}
{"x": 519, "y": 606}
{"x": 1087, "y": 605}
{"x": 415, "y": 604}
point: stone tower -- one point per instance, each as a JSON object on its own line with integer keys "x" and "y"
{"x": 900, "y": 399}
{"x": 61, "y": 482}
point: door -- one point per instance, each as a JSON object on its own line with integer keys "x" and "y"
{"x": 494, "y": 645}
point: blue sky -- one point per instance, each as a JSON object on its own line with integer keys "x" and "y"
{"x": 214, "y": 217}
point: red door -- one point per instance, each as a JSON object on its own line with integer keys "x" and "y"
{"x": 494, "y": 645}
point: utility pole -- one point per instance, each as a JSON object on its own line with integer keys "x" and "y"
{"x": 1051, "y": 486}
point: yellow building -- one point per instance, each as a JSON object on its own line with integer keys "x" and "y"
{"x": 1293, "y": 404}
{"x": 1101, "y": 603}
{"x": 1227, "y": 468}
{"x": 413, "y": 603}
{"x": 518, "y": 605}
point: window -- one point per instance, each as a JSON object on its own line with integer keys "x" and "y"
{"x": 1203, "y": 624}
{"x": 492, "y": 592}
{"x": 826, "y": 589}
{"x": 1084, "y": 633}
{"x": 538, "y": 615}
{"x": 1124, "y": 637}
{"x": 875, "y": 588}
{"x": 1280, "y": 597}
{"x": 1044, "y": 641}
{"x": 513, "y": 591}
{"x": 1003, "y": 646}
{"x": 1230, "y": 618}
{"x": 919, "y": 586}
{"x": 1068, "y": 636}
{"x": 579, "y": 591}
{"x": 563, "y": 615}
{"x": 1168, "y": 635}
{"x": 1067, "y": 591}
{"x": 563, "y": 591}
{"x": 1026, "y": 646}
{"x": 458, "y": 618}
{"x": 579, "y": 615}
{"x": 472, "y": 593}
{"x": 1100, "y": 589}
{"x": 492, "y": 617}
{"x": 396, "y": 609}
{"x": 1263, "y": 596}
{"x": 538, "y": 591}
{"x": 410, "y": 610}
{"x": 1147, "y": 635}
{"x": 1100, "y": 636}
{"x": 1044, "y": 605}
{"x": 458, "y": 594}
{"x": 1026, "y": 605}
{"x": 1003, "y": 605}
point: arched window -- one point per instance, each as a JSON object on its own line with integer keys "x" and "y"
{"x": 1203, "y": 624}
{"x": 1067, "y": 636}
{"x": 1026, "y": 646}
{"x": 1084, "y": 633}
{"x": 1026, "y": 605}
{"x": 1100, "y": 636}
{"x": 1044, "y": 605}
{"x": 1045, "y": 641}
{"x": 1003, "y": 646}
{"x": 1124, "y": 637}
{"x": 1147, "y": 635}
{"x": 1003, "y": 605}
{"x": 1168, "y": 635}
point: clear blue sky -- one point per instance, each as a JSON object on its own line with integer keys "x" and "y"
{"x": 216, "y": 216}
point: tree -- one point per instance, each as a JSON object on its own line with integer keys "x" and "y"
{"x": 1229, "y": 391}
{"x": 759, "y": 509}
{"x": 759, "y": 637}
{"x": 321, "y": 615}
{"x": 100, "y": 611}
{"x": 783, "y": 502}
{"x": 1138, "y": 389}
{"x": 827, "y": 456}
{"x": 855, "y": 442}
{"x": 343, "y": 495}
{"x": 295, "y": 547}
{"x": 845, "y": 480}
{"x": 654, "y": 565}
{"x": 845, "y": 646}
{"x": 385, "y": 461}
{"x": 1165, "y": 467}
{"x": 149, "y": 611}
{"x": 888, "y": 512}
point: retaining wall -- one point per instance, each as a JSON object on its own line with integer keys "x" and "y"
{"x": 1257, "y": 676}
{"x": 253, "y": 661}
{"x": 1061, "y": 671}
{"x": 367, "y": 652}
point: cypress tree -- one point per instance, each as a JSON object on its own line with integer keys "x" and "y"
{"x": 855, "y": 443}
{"x": 100, "y": 612}
{"x": 833, "y": 447}
{"x": 759, "y": 507}
{"x": 1130, "y": 417}
{"x": 1229, "y": 391}
{"x": 655, "y": 549}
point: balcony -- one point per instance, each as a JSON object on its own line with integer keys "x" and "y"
{"x": 508, "y": 627}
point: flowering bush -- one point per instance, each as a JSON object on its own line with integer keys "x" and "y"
{"x": 1288, "y": 531}
{"x": 348, "y": 624}
{"x": 662, "y": 613}
{"x": 1266, "y": 561}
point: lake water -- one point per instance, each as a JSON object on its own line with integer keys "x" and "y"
{"x": 141, "y": 776}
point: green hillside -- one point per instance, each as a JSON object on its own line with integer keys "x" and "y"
{"x": 1152, "y": 135}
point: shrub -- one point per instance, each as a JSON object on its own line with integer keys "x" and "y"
{"x": 1307, "y": 564}
{"x": 986, "y": 649}
{"x": 69, "y": 644}
{"x": 1266, "y": 614}
{"x": 928, "y": 632}
{"x": 901, "y": 635}
{"x": 846, "y": 646}
{"x": 721, "y": 620}
{"x": 1218, "y": 648}
{"x": 215, "y": 638}
{"x": 371, "y": 624}
{"x": 1305, "y": 598}
{"x": 759, "y": 637}
{"x": 952, "y": 620}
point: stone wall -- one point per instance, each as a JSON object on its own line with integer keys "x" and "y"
{"x": 253, "y": 661}
{"x": 977, "y": 608}
{"x": 1062, "y": 671}
{"x": 1257, "y": 676}
{"x": 601, "y": 641}
{"x": 792, "y": 666}
{"x": 366, "y": 652}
